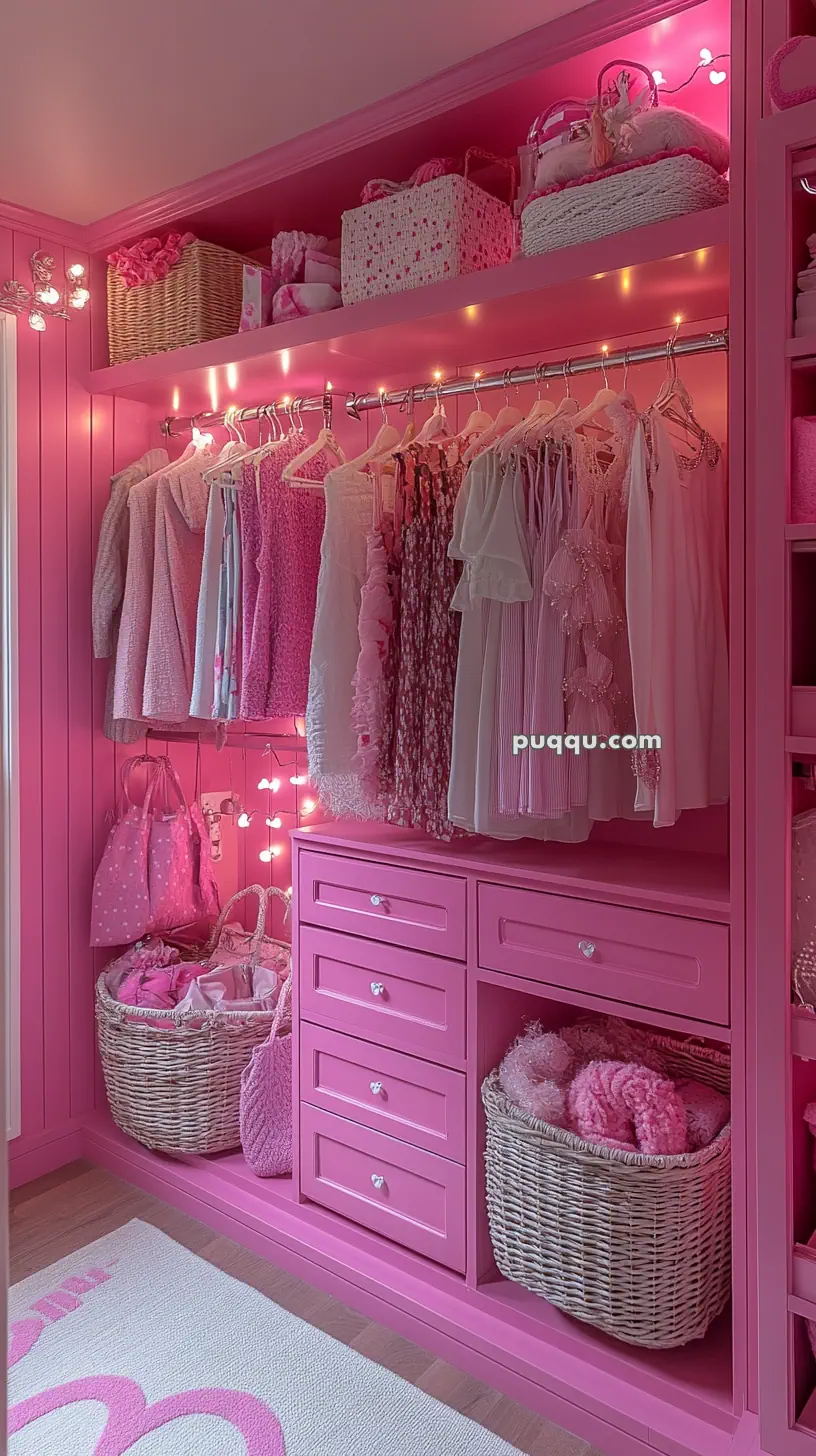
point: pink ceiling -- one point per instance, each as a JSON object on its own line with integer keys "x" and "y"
{"x": 111, "y": 102}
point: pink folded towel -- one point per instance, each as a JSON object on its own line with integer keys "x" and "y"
{"x": 321, "y": 267}
{"x": 629, "y": 1107}
{"x": 299, "y": 300}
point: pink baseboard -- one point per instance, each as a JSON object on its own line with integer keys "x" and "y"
{"x": 31, "y": 1157}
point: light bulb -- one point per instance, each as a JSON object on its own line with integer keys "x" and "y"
{"x": 274, "y": 785}
{"x": 76, "y": 270}
{"x": 298, "y": 779}
{"x": 287, "y": 400}
{"x": 263, "y": 784}
{"x": 276, "y": 850}
{"x": 706, "y": 56}
{"x": 274, "y": 823}
{"x": 265, "y": 855}
{"x": 678, "y": 319}
{"x": 308, "y": 806}
{"x": 717, "y": 77}
{"x": 79, "y": 298}
{"x": 289, "y": 891}
{"x": 659, "y": 77}
{"x": 437, "y": 374}
{"x": 48, "y": 295}
{"x": 244, "y": 820}
{"x": 36, "y": 320}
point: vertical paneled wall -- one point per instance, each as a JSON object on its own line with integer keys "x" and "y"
{"x": 55, "y": 533}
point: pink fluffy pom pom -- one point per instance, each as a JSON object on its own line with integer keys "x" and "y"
{"x": 532, "y": 1070}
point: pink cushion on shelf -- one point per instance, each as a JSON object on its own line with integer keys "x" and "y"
{"x": 791, "y": 73}
{"x": 803, "y": 470}
{"x": 298, "y": 300}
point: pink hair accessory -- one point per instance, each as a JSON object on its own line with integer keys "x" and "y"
{"x": 630, "y": 1105}
{"x": 150, "y": 260}
{"x": 790, "y": 74}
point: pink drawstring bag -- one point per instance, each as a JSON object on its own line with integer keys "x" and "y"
{"x": 266, "y": 1099}
{"x": 155, "y": 872}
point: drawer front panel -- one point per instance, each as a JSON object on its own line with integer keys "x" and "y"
{"x": 413, "y": 1003}
{"x": 409, "y": 1195}
{"x": 388, "y": 903}
{"x": 660, "y": 961}
{"x": 402, "y": 1096}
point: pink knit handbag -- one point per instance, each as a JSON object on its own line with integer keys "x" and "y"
{"x": 155, "y": 873}
{"x": 266, "y": 1098}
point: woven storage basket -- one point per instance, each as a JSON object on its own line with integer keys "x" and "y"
{"x": 638, "y": 1246}
{"x": 438, "y": 230}
{"x": 590, "y": 210}
{"x": 174, "y": 1079}
{"x": 200, "y": 299}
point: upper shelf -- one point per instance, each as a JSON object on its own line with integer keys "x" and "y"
{"x": 573, "y": 299}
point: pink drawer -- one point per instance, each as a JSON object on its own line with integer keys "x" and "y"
{"x": 385, "y": 902}
{"x": 660, "y": 961}
{"x": 409, "y": 1195}
{"x": 395, "y": 998}
{"x": 413, "y": 1100}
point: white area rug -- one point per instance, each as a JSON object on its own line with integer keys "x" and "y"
{"x": 135, "y": 1345}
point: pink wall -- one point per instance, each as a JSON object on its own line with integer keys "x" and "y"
{"x": 63, "y": 454}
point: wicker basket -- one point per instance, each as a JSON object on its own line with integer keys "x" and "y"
{"x": 586, "y": 211}
{"x": 638, "y": 1246}
{"x": 174, "y": 1079}
{"x": 440, "y": 229}
{"x": 200, "y": 299}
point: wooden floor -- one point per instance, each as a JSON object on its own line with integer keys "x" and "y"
{"x": 56, "y": 1215}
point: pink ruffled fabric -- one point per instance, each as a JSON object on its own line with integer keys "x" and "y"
{"x": 288, "y": 256}
{"x": 375, "y": 626}
{"x": 697, "y": 152}
{"x": 149, "y": 260}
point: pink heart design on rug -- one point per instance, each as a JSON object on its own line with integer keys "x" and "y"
{"x": 130, "y": 1417}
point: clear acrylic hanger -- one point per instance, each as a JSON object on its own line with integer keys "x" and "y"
{"x": 507, "y": 417}
{"x": 324, "y": 440}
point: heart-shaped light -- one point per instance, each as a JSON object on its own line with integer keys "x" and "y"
{"x": 705, "y": 56}
{"x": 717, "y": 77}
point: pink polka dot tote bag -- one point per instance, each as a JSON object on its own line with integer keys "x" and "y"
{"x": 154, "y": 874}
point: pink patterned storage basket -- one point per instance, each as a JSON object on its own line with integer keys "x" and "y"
{"x": 440, "y": 229}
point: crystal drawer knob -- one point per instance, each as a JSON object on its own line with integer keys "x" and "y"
{"x": 377, "y": 988}
{"x": 376, "y": 1088}
{"x": 376, "y": 899}
{"x": 587, "y": 948}
{"x": 378, "y": 1180}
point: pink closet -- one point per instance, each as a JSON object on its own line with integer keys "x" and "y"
{"x": 418, "y": 960}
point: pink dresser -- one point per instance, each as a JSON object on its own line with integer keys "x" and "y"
{"x": 417, "y": 963}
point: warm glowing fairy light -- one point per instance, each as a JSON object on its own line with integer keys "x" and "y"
{"x": 478, "y": 374}
{"x": 176, "y": 401}
{"x": 263, "y": 784}
{"x": 472, "y": 311}
{"x": 706, "y": 56}
{"x": 437, "y": 375}
{"x": 276, "y": 850}
{"x": 213, "y": 381}
{"x": 308, "y": 806}
{"x": 232, "y": 376}
{"x": 244, "y": 820}
{"x": 274, "y": 823}
{"x": 626, "y": 280}
{"x": 274, "y": 785}
{"x": 285, "y": 360}
{"x": 329, "y": 386}
{"x": 265, "y": 855}
{"x": 659, "y": 77}
{"x": 298, "y": 779}
{"x": 287, "y": 400}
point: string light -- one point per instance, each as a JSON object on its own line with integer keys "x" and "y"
{"x": 706, "y": 56}
{"x": 274, "y": 785}
{"x": 707, "y": 59}
{"x": 36, "y": 320}
{"x": 264, "y": 784}
{"x": 659, "y": 77}
{"x": 274, "y": 823}
{"x": 298, "y": 779}
{"x": 265, "y": 855}
{"x": 478, "y": 374}
{"x": 308, "y": 806}
{"x": 44, "y": 300}
{"x": 329, "y": 386}
{"x": 437, "y": 375}
{"x": 244, "y": 820}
